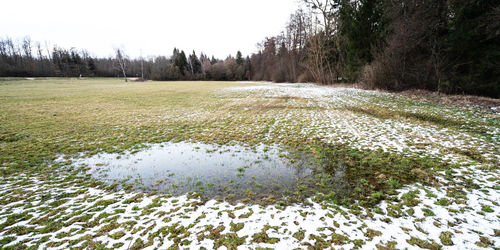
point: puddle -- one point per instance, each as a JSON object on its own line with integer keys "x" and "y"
{"x": 232, "y": 173}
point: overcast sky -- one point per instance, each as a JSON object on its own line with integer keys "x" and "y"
{"x": 218, "y": 27}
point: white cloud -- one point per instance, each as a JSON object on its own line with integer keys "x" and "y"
{"x": 219, "y": 27}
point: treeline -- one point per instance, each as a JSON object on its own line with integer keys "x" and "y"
{"x": 27, "y": 58}
{"x": 451, "y": 46}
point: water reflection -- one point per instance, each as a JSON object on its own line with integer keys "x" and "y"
{"x": 230, "y": 172}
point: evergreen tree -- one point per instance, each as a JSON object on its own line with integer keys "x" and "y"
{"x": 213, "y": 60}
{"x": 472, "y": 48}
{"x": 180, "y": 61}
{"x": 363, "y": 26}
{"x": 248, "y": 68}
{"x": 239, "y": 58}
{"x": 194, "y": 63}
{"x": 91, "y": 65}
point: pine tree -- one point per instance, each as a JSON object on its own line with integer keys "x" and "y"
{"x": 213, "y": 60}
{"x": 239, "y": 58}
{"x": 363, "y": 26}
{"x": 248, "y": 68}
{"x": 472, "y": 47}
{"x": 180, "y": 61}
{"x": 194, "y": 63}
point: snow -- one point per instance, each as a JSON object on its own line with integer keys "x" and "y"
{"x": 464, "y": 217}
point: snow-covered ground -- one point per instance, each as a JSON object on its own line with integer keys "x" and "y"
{"x": 462, "y": 212}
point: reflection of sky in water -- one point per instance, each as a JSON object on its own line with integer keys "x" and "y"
{"x": 178, "y": 168}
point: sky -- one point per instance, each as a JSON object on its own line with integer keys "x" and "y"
{"x": 147, "y": 27}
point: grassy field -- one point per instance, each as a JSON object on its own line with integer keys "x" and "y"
{"x": 43, "y": 118}
{"x": 411, "y": 169}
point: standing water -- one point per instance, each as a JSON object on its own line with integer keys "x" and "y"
{"x": 229, "y": 172}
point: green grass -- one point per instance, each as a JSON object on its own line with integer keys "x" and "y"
{"x": 45, "y": 118}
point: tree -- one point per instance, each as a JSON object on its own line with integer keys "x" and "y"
{"x": 409, "y": 58}
{"x": 471, "y": 48}
{"x": 327, "y": 10}
{"x": 122, "y": 62}
{"x": 239, "y": 58}
{"x": 180, "y": 61}
{"x": 324, "y": 60}
{"x": 91, "y": 65}
{"x": 195, "y": 64}
{"x": 248, "y": 68}
{"x": 363, "y": 27}
{"x": 213, "y": 60}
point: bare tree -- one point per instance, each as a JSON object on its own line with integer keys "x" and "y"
{"x": 323, "y": 58}
{"x": 27, "y": 48}
{"x": 122, "y": 62}
{"x": 327, "y": 11}
{"x": 47, "y": 48}
{"x": 142, "y": 67}
{"x": 297, "y": 31}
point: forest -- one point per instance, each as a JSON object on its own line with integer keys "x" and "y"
{"x": 448, "y": 46}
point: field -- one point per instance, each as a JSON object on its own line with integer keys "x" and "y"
{"x": 414, "y": 173}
